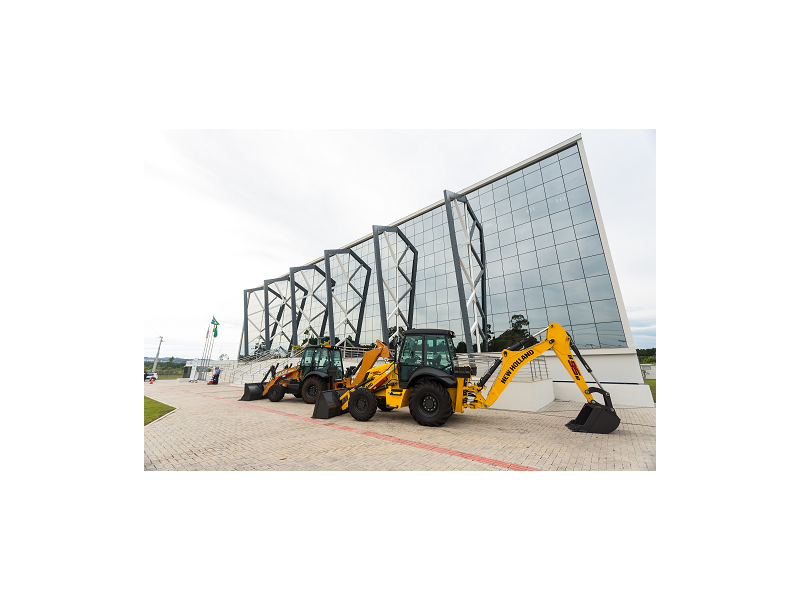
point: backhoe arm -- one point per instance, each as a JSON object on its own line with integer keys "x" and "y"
{"x": 513, "y": 360}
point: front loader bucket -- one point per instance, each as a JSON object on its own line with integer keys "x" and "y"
{"x": 595, "y": 418}
{"x": 252, "y": 391}
{"x": 328, "y": 405}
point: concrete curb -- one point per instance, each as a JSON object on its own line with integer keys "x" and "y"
{"x": 172, "y": 412}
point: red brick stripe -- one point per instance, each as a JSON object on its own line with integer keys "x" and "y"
{"x": 388, "y": 438}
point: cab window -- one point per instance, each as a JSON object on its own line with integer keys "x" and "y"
{"x": 337, "y": 362}
{"x": 308, "y": 356}
{"x": 321, "y": 359}
{"x": 437, "y": 353}
{"x": 410, "y": 357}
{"x": 305, "y": 362}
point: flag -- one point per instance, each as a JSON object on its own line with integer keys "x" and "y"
{"x": 207, "y": 330}
{"x": 214, "y": 321}
{"x": 215, "y": 331}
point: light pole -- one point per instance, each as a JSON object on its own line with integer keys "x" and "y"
{"x": 155, "y": 362}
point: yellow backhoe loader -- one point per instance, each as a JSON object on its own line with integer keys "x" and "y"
{"x": 425, "y": 377}
{"x": 320, "y": 369}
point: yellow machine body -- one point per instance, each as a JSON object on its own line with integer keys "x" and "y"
{"x": 382, "y": 381}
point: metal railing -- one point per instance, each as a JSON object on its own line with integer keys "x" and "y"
{"x": 483, "y": 361}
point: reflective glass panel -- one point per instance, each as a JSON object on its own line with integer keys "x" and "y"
{"x": 519, "y": 201}
{"x": 530, "y": 278}
{"x": 564, "y": 235}
{"x": 554, "y": 294}
{"x": 578, "y": 196}
{"x": 574, "y": 180}
{"x": 605, "y": 310}
{"x": 543, "y": 241}
{"x": 600, "y": 287}
{"x": 516, "y": 301}
{"x": 511, "y": 265}
{"x": 611, "y": 335}
{"x": 567, "y": 251}
{"x": 570, "y": 163}
{"x": 500, "y": 193}
{"x": 513, "y": 282}
{"x": 547, "y": 256}
{"x": 541, "y": 226}
{"x": 537, "y": 319}
{"x": 526, "y": 244}
{"x": 550, "y": 274}
{"x": 534, "y": 298}
{"x": 575, "y": 291}
{"x": 533, "y": 179}
{"x": 586, "y": 229}
{"x": 538, "y": 210}
{"x": 589, "y": 246}
{"x": 582, "y": 213}
{"x": 558, "y": 314}
{"x": 515, "y": 187}
{"x": 551, "y": 172}
{"x": 528, "y": 259}
{"x": 536, "y": 194}
{"x": 560, "y": 220}
{"x": 553, "y": 188}
{"x": 585, "y": 336}
{"x": 571, "y": 270}
{"x": 523, "y": 232}
{"x": 580, "y": 313}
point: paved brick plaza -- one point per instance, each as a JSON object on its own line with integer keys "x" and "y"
{"x": 212, "y": 431}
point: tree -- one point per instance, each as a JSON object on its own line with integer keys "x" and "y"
{"x": 518, "y": 331}
{"x": 223, "y": 357}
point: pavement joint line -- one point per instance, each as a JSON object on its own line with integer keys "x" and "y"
{"x": 388, "y": 438}
{"x": 174, "y": 409}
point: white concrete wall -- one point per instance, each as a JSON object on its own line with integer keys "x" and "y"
{"x": 528, "y": 396}
{"x": 618, "y": 372}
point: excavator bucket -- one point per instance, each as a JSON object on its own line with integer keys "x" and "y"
{"x": 255, "y": 391}
{"x": 595, "y": 418}
{"x": 252, "y": 391}
{"x": 328, "y": 404}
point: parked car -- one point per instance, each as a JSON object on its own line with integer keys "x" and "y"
{"x": 148, "y": 376}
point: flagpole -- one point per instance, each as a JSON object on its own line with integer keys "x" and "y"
{"x": 202, "y": 358}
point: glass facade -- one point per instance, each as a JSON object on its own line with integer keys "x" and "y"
{"x": 545, "y": 262}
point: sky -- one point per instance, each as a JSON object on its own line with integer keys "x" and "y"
{"x": 230, "y": 208}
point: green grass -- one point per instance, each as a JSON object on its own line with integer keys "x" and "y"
{"x": 652, "y": 384}
{"x": 167, "y": 377}
{"x": 153, "y": 410}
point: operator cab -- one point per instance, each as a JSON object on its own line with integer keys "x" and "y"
{"x": 319, "y": 358}
{"x": 421, "y": 348}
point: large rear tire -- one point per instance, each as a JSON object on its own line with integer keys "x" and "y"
{"x": 362, "y": 404}
{"x": 430, "y": 404}
{"x": 311, "y": 389}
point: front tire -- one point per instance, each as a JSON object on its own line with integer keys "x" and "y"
{"x": 312, "y": 388}
{"x": 430, "y": 404}
{"x": 276, "y": 392}
{"x": 362, "y": 404}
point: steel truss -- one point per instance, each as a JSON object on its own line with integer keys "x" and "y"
{"x": 412, "y": 282}
{"x": 283, "y": 301}
{"x": 474, "y": 260}
{"x": 244, "y": 348}
{"x": 306, "y": 293}
{"x": 360, "y": 303}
